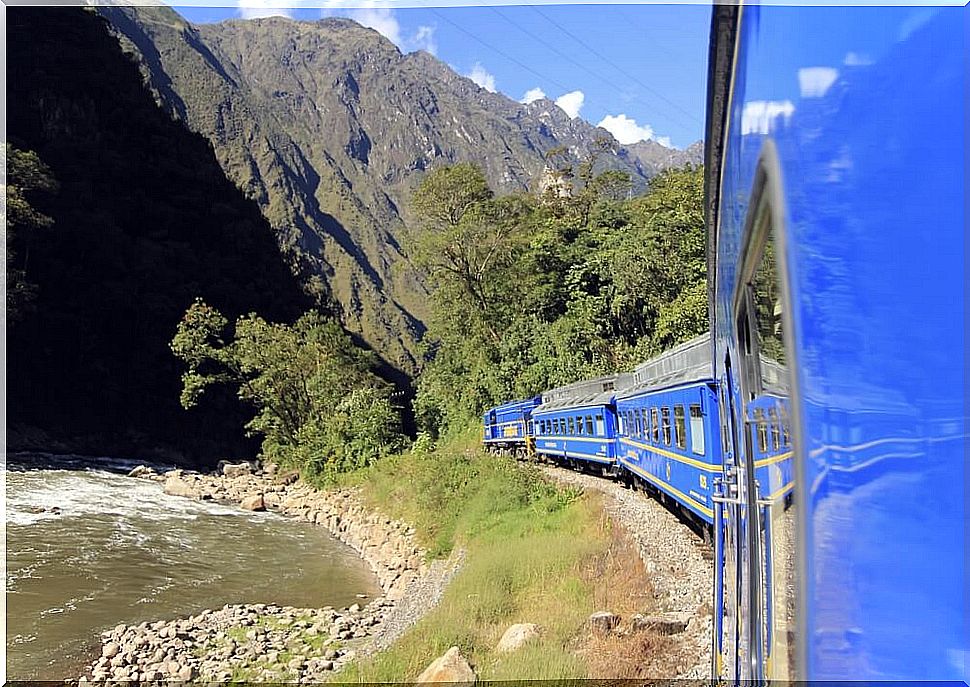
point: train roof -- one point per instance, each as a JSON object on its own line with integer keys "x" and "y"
{"x": 530, "y": 402}
{"x": 683, "y": 364}
{"x": 590, "y": 392}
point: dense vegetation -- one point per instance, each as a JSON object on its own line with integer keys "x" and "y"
{"x": 531, "y": 292}
{"x": 319, "y": 407}
{"x": 118, "y": 218}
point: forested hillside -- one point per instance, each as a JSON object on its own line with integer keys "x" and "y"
{"x": 330, "y": 128}
{"x": 118, "y": 218}
{"x": 532, "y": 292}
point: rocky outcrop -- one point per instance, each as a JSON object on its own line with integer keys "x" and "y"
{"x": 603, "y": 622}
{"x": 451, "y": 667}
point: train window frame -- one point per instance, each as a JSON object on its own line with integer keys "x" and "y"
{"x": 656, "y": 425}
{"x": 680, "y": 426}
{"x": 775, "y": 431}
{"x": 698, "y": 440}
{"x": 600, "y": 425}
{"x": 589, "y": 425}
{"x": 765, "y": 226}
{"x": 761, "y": 428}
{"x": 665, "y": 424}
{"x": 571, "y": 424}
{"x": 646, "y": 422}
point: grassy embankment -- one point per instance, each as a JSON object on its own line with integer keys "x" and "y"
{"x": 535, "y": 552}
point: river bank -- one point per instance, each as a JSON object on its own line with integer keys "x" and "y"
{"x": 265, "y": 642}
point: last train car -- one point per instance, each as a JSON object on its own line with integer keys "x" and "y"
{"x": 508, "y": 426}
{"x": 835, "y": 191}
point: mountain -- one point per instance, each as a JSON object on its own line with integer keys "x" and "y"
{"x": 329, "y": 127}
{"x": 143, "y": 221}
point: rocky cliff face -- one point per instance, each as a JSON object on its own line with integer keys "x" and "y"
{"x": 330, "y": 128}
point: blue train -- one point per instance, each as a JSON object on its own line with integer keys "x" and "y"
{"x": 820, "y": 430}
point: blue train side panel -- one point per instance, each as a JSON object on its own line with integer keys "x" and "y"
{"x": 669, "y": 437}
{"x": 584, "y": 432}
{"x": 509, "y": 425}
{"x": 854, "y": 121}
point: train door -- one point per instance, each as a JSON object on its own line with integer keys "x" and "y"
{"x": 728, "y": 532}
{"x": 761, "y": 308}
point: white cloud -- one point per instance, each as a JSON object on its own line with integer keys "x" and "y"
{"x": 424, "y": 40}
{"x": 532, "y": 95}
{"x": 256, "y": 9}
{"x": 760, "y": 116}
{"x": 480, "y": 75}
{"x": 571, "y": 103}
{"x": 384, "y": 21}
{"x": 381, "y": 20}
{"x": 814, "y": 82}
{"x": 626, "y": 130}
{"x": 664, "y": 141}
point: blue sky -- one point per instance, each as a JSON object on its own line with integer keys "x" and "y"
{"x": 638, "y": 70}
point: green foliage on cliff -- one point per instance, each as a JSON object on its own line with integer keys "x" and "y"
{"x": 319, "y": 407}
{"x": 534, "y": 292}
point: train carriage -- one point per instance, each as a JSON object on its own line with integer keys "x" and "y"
{"x": 837, "y": 253}
{"x": 576, "y": 424}
{"x": 668, "y": 426}
{"x": 509, "y": 426}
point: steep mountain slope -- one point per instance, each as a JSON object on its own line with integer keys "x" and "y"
{"x": 144, "y": 221}
{"x": 330, "y": 128}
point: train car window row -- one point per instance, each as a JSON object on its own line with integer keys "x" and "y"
{"x": 579, "y": 425}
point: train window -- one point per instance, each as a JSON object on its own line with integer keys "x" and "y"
{"x": 589, "y": 424}
{"x": 665, "y": 424}
{"x": 762, "y": 429}
{"x": 680, "y": 430}
{"x": 572, "y": 425}
{"x": 558, "y": 426}
{"x": 646, "y": 422}
{"x": 641, "y": 430}
{"x": 696, "y": 430}
{"x": 775, "y": 432}
{"x": 656, "y": 425}
{"x": 600, "y": 427}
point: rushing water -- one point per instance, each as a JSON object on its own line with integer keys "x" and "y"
{"x": 121, "y": 551}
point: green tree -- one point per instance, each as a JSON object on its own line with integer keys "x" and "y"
{"x": 26, "y": 175}
{"x": 317, "y": 404}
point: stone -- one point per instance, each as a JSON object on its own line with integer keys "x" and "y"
{"x": 664, "y": 623}
{"x": 516, "y": 636}
{"x": 176, "y": 486}
{"x": 603, "y": 622}
{"x": 110, "y": 650}
{"x": 254, "y": 503}
{"x": 232, "y": 471}
{"x": 449, "y": 667}
{"x": 140, "y": 471}
{"x": 186, "y": 673}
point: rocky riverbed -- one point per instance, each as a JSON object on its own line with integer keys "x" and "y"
{"x": 268, "y": 643}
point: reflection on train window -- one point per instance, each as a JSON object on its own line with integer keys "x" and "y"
{"x": 665, "y": 424}
{"x": 645, "y": 412}
{"x": 572, "y": 426}
{"x": 696, "y": 430}
{"x": 589, "y": 424}
{"x": 656, "y": 425}
{"x": 768, "y": 310}
{"x": 680, "y": 430}
{"x": 600, "y": 427}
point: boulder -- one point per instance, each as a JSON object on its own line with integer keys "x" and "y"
{"x": 176, "y": 486}
{"x": 516, "y": 636}
{"x": 664, "y": 623}
{"x": 231, "y": 470}
{"x": 603, "y": 622}
{"x": 449, "y": 667}
{"x": 254, "y": 502}
{"x": 140, "y": 471}
{"x": 110, "y": 650}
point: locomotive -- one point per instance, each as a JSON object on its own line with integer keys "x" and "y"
{"x": 818, "y": 433}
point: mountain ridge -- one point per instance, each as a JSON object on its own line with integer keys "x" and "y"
{"x": 330, "y": 127}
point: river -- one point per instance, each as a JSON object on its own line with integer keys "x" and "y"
{"x": 119, "y": 550}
